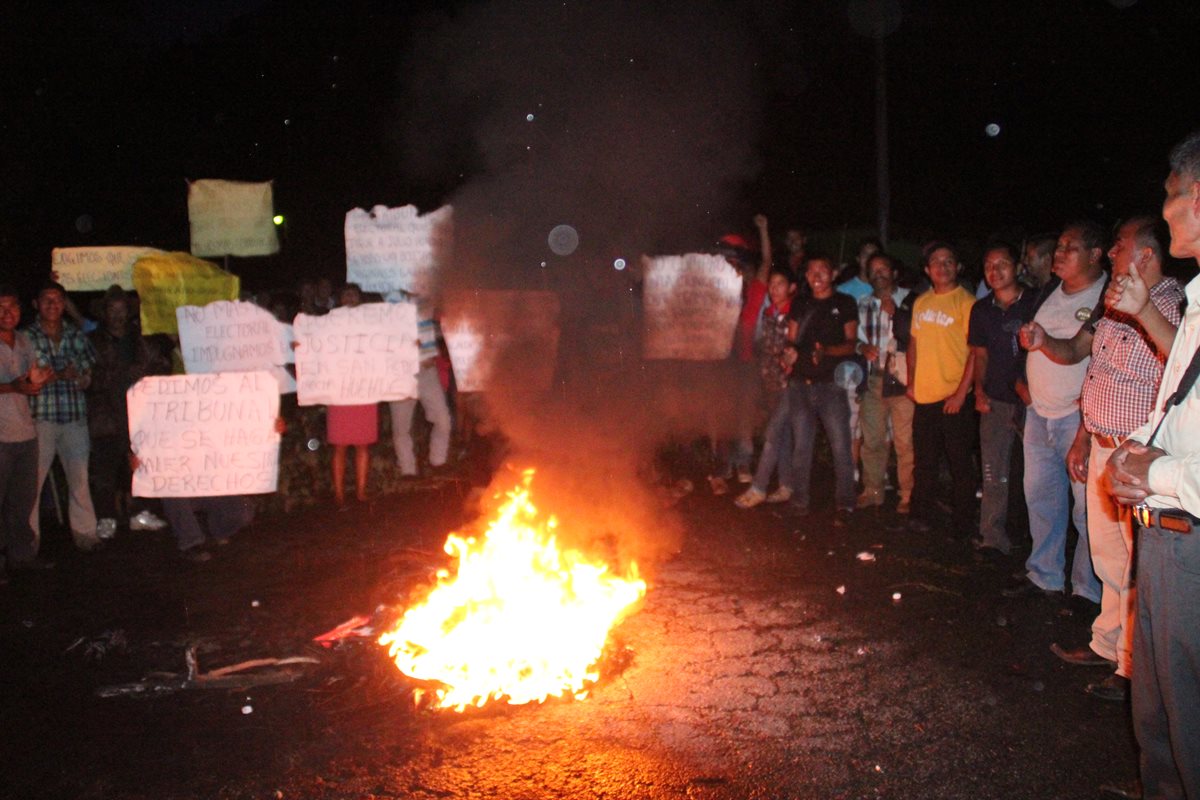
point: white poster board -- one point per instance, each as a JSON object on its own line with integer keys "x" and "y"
{"x": 232, "y": 218}
{"x": 354, "y": 356}
{"x": 692, "y": 303}
{"x": 94, "y": 269}
{"x": 204, "y": 435}
{"x": 235, "y": 336}
{"x": 501, "y": 337}
{"x": 390, "y": 249}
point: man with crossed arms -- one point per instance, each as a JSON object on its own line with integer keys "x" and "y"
{"x": 1160, "y": 477}
{"x": 1117, "y": 396}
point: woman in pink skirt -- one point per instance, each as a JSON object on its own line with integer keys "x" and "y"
{"x": 351, "y": 426}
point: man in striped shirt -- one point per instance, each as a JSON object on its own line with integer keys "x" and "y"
{"x": 1117, "y": 397}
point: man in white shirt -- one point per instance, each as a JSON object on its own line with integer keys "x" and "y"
{"x": 1158, "y": 471}
{"x": 1052, "y": 419}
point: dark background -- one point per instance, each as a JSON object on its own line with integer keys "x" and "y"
{"x": 108, "y": 109}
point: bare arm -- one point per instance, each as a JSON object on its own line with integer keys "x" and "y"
{"x": 764, "y": 242}
{"x": 981, "y": 361}
{"x": 911, "y": 361}
{"x": 1060, "y": 351}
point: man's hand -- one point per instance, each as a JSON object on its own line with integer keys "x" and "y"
{"x": 1022, "y": 390}
{"x": 818, "y": 353}
{"x": 1077, "y": 458}
{"x": 982, "y": 404}
{"x": 760, "y": 221}
{"x": 1128, "y": 294}
{"x": 1128, "y": 471}
{"x": 870, "y": 352}
{"x": 1032, "y": 336}
{"x": 954, "y": 403}
{"x": 40, "y": 375}
{"x": 23, "y": 385}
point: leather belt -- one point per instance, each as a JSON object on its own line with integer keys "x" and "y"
{"x": 1166, "y": 519}
{"x": 1111, "y": 442}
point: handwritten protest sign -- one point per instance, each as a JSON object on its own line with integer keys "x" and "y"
{"x": 691, "y": 307}
{"x": 501, "y": 338}
{"x": 231, "y": 336}
{"x": 204, "y": 435}
{"x": 166, "y": 281}
{"x": 94, "y": 269}
{"x": 353, "y": 356}
{"x": 395, "y": 248}
{"x": 232, "y": 218}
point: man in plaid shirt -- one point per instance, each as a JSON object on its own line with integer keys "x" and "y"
{"x": 60, "y": 409}
{"x": 1117, "y": 398}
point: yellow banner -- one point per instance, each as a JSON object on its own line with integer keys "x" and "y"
{"x": 166, "y": 281}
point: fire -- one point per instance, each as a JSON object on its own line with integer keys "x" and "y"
{"x": 517, "y": 618}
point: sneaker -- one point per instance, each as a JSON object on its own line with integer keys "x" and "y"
{"x": 781, "y": 495}
{"x": 744, "y": 475}
{"x": 146, "y": 521}
{"x": 106, "y": 528}
{"x": 749, "y": 498}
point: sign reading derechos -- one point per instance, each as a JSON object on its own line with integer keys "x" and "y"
{"x": 204, "y": 435}
{"x": 389, "y": 249}
{"x": 501, "y": 337}
{"x": 359, "y": 355}
{"x": 94, "y": 269}
{"x": 691, "y": 303}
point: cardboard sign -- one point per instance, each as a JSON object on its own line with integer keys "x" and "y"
{"x": 94, "y": 269}
{"x": 354, "y": 356}
{"x": 691, "y": 303}
{"x": 390, "y": 249}
{"x": 166, "y": 281}
{"x": 204, "y": 435}
{"x": 229, "y": 336}
{"x": 232, "y": 218}
{"x": 507, "y": 338}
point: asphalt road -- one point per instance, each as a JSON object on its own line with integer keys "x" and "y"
{"x": 768, "y": 661}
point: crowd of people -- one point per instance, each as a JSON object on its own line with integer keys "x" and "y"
{"x": 1063, "y": 354}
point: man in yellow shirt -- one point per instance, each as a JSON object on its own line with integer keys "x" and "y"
{"x": 940, "y": 371}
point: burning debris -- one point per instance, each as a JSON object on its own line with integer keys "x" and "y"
{"x": 517, "y": 618}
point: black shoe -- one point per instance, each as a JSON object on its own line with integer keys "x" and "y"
{"x": 1030, "y": 589}
{"x": 1080, "y": 656}
{"x": 196, "y": 555}
{"x": 1113, "y": 689}
{"x": 35, "y": 564}
{"x": 1129, "y": 791}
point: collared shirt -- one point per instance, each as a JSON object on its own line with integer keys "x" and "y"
{"x": 1175, "y": 477}
{"x": 875, "y": 325}
{"x": 61, "y": 401}
{"x": 1118, "y": 392}
{"x": 994, "y": 328}
{"x": 16, "y": 423}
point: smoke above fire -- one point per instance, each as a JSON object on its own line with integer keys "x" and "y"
{"x": 634, "y": 125}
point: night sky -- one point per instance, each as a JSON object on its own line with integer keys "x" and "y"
{"x": 657, "y": 126}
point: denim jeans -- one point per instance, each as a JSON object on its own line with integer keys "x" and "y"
{"x": 432, "y": 398}
{"x": 809, "y": 404}
{"x": 997, "y": 432}
{"x": 777, "y": 448}
{"x": 1048, "y": 491}
{"x": 226, "y": 515}
{"x": 71, "y": 443}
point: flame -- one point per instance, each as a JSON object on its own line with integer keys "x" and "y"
{"x": 517, "y": 619}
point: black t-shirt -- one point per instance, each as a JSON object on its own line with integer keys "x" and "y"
{"x": 826, "y": 325}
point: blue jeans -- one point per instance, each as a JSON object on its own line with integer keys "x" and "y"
{"x": 226, "y": 514}
{"x": 1048, "y": 490}
{"x": 809, "y": 404}
{"x": 18, "y": 494}
{"x": 777, "y": 448}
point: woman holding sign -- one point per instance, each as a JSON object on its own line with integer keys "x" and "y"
{"x": 351, "y": 426}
